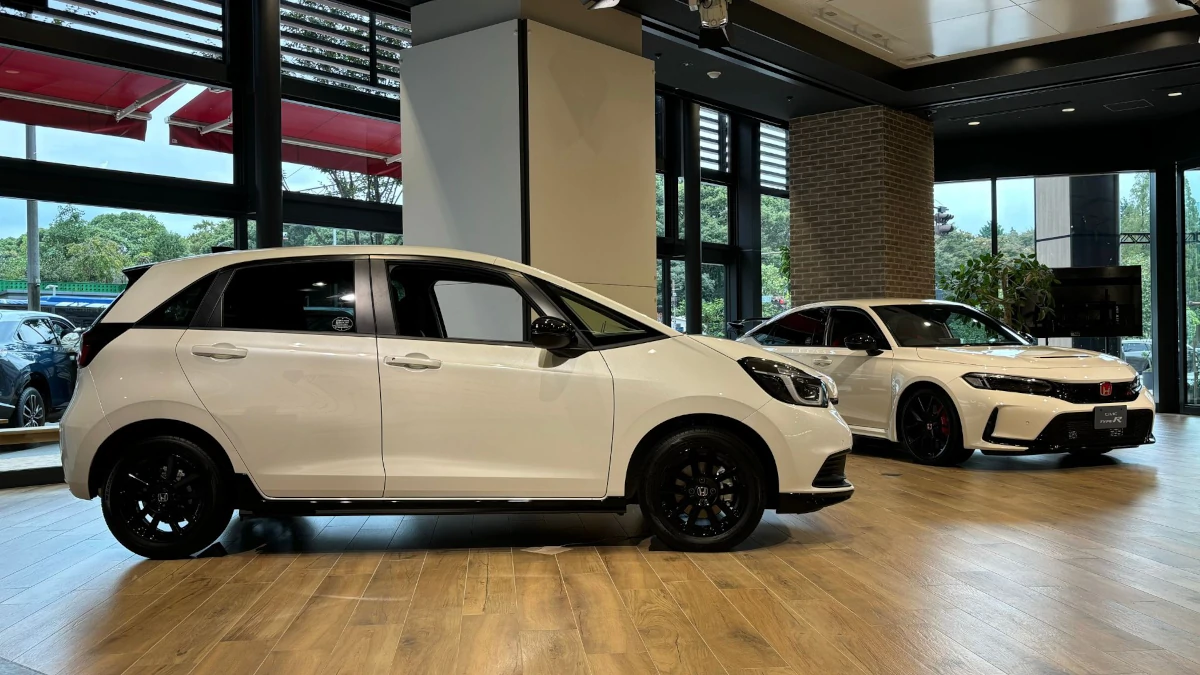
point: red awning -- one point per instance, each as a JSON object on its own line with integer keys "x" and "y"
{"x": 51, "y": 92}
{"x": 311, "y": 136}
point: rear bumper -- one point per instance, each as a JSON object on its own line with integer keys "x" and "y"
{"x": 807, "y": 502}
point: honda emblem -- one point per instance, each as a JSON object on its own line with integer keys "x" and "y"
{"x": 1106, "y": 388}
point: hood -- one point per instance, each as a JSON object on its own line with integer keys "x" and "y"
{"x": 1019, "y": 356}
{"x": 739, "y": 350}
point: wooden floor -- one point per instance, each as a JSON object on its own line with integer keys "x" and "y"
{"x": 1006, "y": 565}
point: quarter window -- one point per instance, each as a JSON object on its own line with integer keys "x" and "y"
{"x": 297, "y": 297}
{"x": 603, "y": 326}
{"x": 36, "y": 332}
{"x": 179, "y": 310}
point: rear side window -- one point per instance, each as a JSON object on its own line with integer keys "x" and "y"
{"x": 179, "y": 311}
{"x": 36, "y": 332}
{"x": 798, "y": 329}
{"x": 296, "y": 297}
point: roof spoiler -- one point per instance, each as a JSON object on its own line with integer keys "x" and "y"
{"x": 132, "y": 274}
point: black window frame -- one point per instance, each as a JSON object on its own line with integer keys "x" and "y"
{"x": 770, "y": 326}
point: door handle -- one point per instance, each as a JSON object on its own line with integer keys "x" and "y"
{"x": 822, "y": 362}
{"x": 413, "y": 362}
{"x": 221, "y": 351}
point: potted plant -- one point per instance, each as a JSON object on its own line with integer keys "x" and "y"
{"x": 1015, "y": 289}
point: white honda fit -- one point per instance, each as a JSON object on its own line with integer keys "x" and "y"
{"x": 944, "y": 379}
{"x": 357, "y": 380}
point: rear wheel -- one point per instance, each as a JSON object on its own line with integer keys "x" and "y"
{"x": 166, "y": 498}
{"x": 30, "y": 410}
{"x": 702, "y": 489}
{"x": 929, "y": 429}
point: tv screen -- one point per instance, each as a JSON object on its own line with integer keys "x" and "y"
{"x": 1094, "y": 302}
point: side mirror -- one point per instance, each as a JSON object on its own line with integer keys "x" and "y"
{"x": 552, "y": 333}
{"x": 860, "y": 342}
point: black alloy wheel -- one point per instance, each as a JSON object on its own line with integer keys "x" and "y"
{"x": 163, "y": 499}
{"x": 702, "y": 490}
{"x": 930, "y": 431}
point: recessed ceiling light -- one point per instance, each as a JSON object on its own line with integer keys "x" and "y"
{"x": 1175, "y": 93}
{"x": 1068, "y": 110}
{"x": 973, "y": 124}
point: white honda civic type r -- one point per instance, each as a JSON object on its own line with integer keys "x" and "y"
{"x": 944, "y": 379}
{"x": 359, "y": 380}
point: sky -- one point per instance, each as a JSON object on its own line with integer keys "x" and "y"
{"x": 971, "y": 202}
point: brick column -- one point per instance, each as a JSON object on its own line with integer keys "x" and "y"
{"x": 861, "y": 184}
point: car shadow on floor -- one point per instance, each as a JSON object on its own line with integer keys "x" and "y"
{"x": 874, "y": 447}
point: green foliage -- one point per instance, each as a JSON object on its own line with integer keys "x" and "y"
{"x": 1014, "y": 289}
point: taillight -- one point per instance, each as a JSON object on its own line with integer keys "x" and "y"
{"x": 95, "y": 338}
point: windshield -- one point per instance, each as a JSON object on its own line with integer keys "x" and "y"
{"x": 944, "y": 326}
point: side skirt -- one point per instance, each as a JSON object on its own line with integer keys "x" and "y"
{"x": 251, "y": 502}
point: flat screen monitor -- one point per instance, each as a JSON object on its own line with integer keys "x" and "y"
{"x": 1095, "y": 302}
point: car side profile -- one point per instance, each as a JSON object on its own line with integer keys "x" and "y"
{"x": 37, "y": 366}
{"x": 944, "y": 379}
{"x": 360, "y": 380}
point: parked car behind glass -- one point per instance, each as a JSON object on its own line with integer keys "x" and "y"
{"x": 37, "y": 366}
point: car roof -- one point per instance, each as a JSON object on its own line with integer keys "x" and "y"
{"x": 864, "y": 303}
{"x": 22, "y": 314}
{"x": 169, "y": 277}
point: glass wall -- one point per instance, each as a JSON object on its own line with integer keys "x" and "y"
{"x": 1191, "y": 288}
{"x": 775, "y": 221}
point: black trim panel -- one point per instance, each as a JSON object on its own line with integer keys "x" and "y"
{"x": 251, "y": 502}
{"x": 807, "y": 502}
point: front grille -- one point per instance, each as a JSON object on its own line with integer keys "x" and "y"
{"x": 1090, "y": 393}
{"x": 1076, "y": 430}
{"x": 833, "y": 471}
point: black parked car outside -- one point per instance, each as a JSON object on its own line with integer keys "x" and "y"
{"x": 37, "y": 366}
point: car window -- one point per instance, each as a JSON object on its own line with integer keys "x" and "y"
{"x": 481, "y": 310}
{"x": 847, "y": 322}
{"x": 797, "y": 329}
{"x": 36, "y": 332}
{"x": 60, "y": 328}
{"x": 603, "y": 327}
{"x": 944, "y": 326}
{"x": 296, "y": 297}
{"x": 181, "y": 308}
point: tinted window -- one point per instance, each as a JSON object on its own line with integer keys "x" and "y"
{"x": 481, "y": 310}
{"x": 848, "y": 322}
{"x": 292, "y": 297}
{"x": 602, "y": 326}
{"x": 181, "y": 309}
{"x": 60, "y": 328}
{"x": 944, "y": 326}
{"x": 797, "y": 329}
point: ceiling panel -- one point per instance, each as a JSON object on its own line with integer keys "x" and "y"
{"x": 916, "y": 32}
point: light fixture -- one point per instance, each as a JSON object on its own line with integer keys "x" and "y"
{"x": 599, "y": 4}
{"x": 850, "y": 25}
{"x": 714, "y": 74}
{"x": 973, "y": 124}
{"x": 1068, "y": 110}
{"x": 1175, "y": 93}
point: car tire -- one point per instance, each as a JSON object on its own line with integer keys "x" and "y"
{"x": 30, "y": 410}
{"x": 692, "y": 475}
{"x": 165, "y": 497}
{"x": 928, "y": 428}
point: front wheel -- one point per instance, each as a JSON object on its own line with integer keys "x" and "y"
{"x": 929, "y": 429}
{"x": 166, "y": 498}
{"x": 702, "y": 489}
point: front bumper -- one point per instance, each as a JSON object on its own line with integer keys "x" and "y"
{"x": 1075, "y": 431}
{"x": 807, "y": 502}
{"x": 1006, "y": 423}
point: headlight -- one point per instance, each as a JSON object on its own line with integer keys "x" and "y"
{"x": 1013, "y": 383}
{"x": 786, "y": 383}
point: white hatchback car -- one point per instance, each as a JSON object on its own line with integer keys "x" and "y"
{"x": 358, "y": 380}
{"x": 944, "y": 379}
